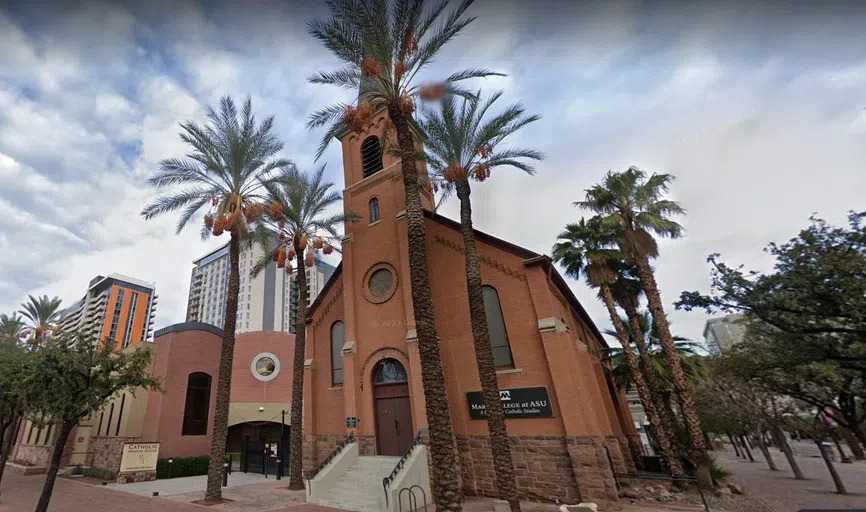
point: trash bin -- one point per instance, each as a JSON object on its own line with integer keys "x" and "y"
{"x": 827, "y": 449}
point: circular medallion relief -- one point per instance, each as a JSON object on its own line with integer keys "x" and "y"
{"x": 380, "y": 283}
{"x": 265, "y": 366}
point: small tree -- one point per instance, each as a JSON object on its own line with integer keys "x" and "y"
{"x": 75, "y": 378}
{"x": 13, "y": 369}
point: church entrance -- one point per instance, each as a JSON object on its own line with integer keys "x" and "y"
{"x": 394, "y": 432}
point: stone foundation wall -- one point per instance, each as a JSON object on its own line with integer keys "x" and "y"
{"x": 366, "y": 445}
{"x": 542, "y": 468}
{"x": 106, "y": 452}
{"x": 130, "y": 477}
{"x": 592, "y": 469}
{"x": 317, "y": 448}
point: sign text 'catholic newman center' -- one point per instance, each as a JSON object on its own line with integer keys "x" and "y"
{"x": 516, "y": 403}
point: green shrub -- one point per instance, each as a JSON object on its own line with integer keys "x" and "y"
{"x": 182, "y": 466}
{"x": 719, "y": 473}
{"x": 77, "y": 470}
{"x": 100, "y": 473}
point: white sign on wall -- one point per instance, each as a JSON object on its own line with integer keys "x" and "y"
{"x": 139, "y": 457}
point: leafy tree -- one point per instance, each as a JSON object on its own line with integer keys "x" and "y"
{"x": 231, "y": 155}
{"x": 807, "y": 330}
{"x": 299, "y": 226}
{"x": 463, "y": 144}
{"x": 41, "y": 312}
{"x": 383, "y": 48}
{"x": 14, "y": 367}
{"x": 11, "y": 327}
{"x": 585, "y": 248}
{"x": 633, "y": 204}
{"x": 75, "y": 378}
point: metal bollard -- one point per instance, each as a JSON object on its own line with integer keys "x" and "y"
{"x": 225, "y": 474}
{"x": 279, "y": 470}
{"x": 169, "y": 467}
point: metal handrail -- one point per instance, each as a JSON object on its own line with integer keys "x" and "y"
{"x": 400, "y": 463}
{"x": 313, "y": 472}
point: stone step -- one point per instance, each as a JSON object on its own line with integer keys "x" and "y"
{"x": 360, "y": 487}
{"x": 350, "y": 505}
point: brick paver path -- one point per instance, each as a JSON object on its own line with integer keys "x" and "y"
{"x": 20, "y": 494}
{"x": 782, "y": 491}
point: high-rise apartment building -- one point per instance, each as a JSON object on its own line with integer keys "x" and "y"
{"x": 264, "y": 301}
{"x": 720, "y": 334}
{"x": 317, "y": 276}
{"x": 116, "y": 307}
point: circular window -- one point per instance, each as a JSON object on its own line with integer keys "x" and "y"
{"x": 380, "y": 283}
{"x": 265, "y": 366}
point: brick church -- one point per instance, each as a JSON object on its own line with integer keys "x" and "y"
{"x": 363, "y": 373}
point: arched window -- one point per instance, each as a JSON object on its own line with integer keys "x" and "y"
{"x": 496, "y": 325}
{"x": 374, "y": 210}
{"x": 197, "y": 404}
{"x": 338, "y": 339}
{"x": 371, "y": 155}
{"x": 389, "y": 371}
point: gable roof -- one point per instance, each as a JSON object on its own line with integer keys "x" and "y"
{"x": 530, "y": 258}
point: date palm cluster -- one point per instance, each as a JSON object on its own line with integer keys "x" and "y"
{"x": 234, "y": 215}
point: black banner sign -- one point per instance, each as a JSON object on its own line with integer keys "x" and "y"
{"x": 516, "y": 403}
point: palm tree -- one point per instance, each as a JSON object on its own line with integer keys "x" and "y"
{"x": 41, "y": 313}
{"x": 384, "y": 47}
{"x": 299, "y": 225}
{"x": 230, "y": 157}
{"x": 633, "y": 205}
{"x": 11, "y": 327}
{"x": 655, "y": 359}
{"x": 462, "y": 145}
{"x": 585, "y": 248}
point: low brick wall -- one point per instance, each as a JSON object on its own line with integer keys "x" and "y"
{"x": 106, "y": 452}
{"x": 36, "y": 455}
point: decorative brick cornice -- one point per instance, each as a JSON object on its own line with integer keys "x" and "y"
{"x": 498, "y": 265}
{"x": 326, "y": 307}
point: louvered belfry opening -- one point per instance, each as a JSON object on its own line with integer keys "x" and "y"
{"x": 371, "y": 155}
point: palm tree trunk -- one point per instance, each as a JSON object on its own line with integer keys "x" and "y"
{"x": 446, "y": 484}
{"x": 698, "y": 449}
{"x": 8, "y": 440}
{"x": 789, "y": 453}
{"x": 662, "y": 403}
{"x": 296, "y": 434}
{"x": 213, "y": 493}
{"x": 661, "y": 436}
{"x": 54, "y": 465}
{"x": 499, "y": 445}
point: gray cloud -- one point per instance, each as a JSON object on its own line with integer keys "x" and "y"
{"x": 757, "y": 108}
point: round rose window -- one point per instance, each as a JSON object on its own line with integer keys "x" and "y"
{"x": 265, "y": 366}
{"x": 381, "y": 282}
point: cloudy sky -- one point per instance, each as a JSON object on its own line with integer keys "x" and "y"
{"x": 757, "y": 108}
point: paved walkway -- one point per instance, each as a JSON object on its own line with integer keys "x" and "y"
{"x": 174, "y": 486}
{"x": 786, "y": 494}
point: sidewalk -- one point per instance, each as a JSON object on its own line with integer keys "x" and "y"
{"x": 173, "y": 486}
{"x": 782, "y": 491}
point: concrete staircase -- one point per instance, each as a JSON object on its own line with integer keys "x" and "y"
{"x": 359, "y": 489}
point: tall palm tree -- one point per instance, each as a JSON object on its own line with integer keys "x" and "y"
{"x": 299, "y": 225}
{"x": 384, "y": 47}
{"x": 41, "y": 312}
{"x": 633, "y": 204}
{"x": 462, "y": 145}
{"x": 585, "y": 248}
{"x": 11, "y": 327}
{"x": 230, "y": 157}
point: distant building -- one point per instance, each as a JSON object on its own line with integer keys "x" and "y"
{"x": 117, "y": 307}
{"x": 720, "y": 334}
{"x": 264, "y": 301}
{"x": 317, "y": 276}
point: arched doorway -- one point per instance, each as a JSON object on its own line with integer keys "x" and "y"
{"x": 394, "y": 432}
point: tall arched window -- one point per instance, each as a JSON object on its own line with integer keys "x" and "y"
{"x": 496, "y": 325}
{"x": 197, "y": 404}
{"x": 374, "y": 210}
{"x": 338, "y": 339}
{"x": 371, "y": 155}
